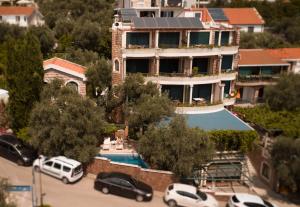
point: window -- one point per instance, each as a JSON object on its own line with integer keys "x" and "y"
{"x": 251, "y": 29}
{"x": 166, "y": 14}
{"x": 137, "y": 39}
{"x": 217, "y": 38}
{"x": 66, "y": 169}
{"x": 17, "y": 18}
{"x": 248, "y": 204}
{"x": 4, "y": 145}
{"x": 226, "y": 63}
{"x": 226, "y": 88}
{"x": 202, "y": 195}
{"x": 125, "y": 183}
{"x": 198, "y": 15}
{"x": 265, "y": 171}
{"x": 72, "y": 85}
{"x": 57, "y": 166}
{"x": 168, "y": 39}
{"x": 25, "y": 19}
{"x": 117, "y": 65}
{"x": 234, "y": 198}
{"x": 225, "y": 38}
{"x": 186, "y": 194}
{"x": 49, "y": 163}
{"x": 192, "y": 196}
{"x": 0, "y": 18}
{"x": 199, "y": 38}
{"x": 12, "y": 149}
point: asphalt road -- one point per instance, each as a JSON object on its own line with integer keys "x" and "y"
{"x": 58, "y": 194}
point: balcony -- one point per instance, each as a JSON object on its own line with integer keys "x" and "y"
{"x": 182, "y": 52}
{"x": 253, "y": 80}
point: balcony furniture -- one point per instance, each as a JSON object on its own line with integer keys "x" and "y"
{"x": 199, "y": 100}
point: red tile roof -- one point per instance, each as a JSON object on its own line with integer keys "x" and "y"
{"x": 258, "y": 57}
{"x": 286, "y": 53}
{"x": 243, "y": 16}
{"x": 65, "y": 64}
{"x": 16, "y": 10}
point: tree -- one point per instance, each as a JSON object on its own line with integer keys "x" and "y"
{"x": 46, "y": 38}
{"x": 285, "y": 155}
{"x": 147, "y": 110}
{"x": 65, "y": 123}
{"x": 176, "y": 147}
{"x": 24, "y": 78}
{"x": 79, "y": 56}
{"x": 285, "y": 94}
{"x": 262, "y": 40}
{"x": 87, "y": 35}
{"x": 143, "y": 103}
{"x": 98, "y": 77}
{"x": 4, "y": 195}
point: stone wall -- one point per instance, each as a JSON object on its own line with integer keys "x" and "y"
{"x": 158, "y": 180}
{"x": 52, "y": 74}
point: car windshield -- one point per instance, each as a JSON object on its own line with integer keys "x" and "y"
{"x": 202, "y": 195}
{"x": 267, "y": 203}
{"x": 21, "y": 147}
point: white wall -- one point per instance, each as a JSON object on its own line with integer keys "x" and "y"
{"x": 257, "y": 28}
{"x": 296, "y": 67}
{"x": 11, "y": 19}
{"x": 25, "y": 21}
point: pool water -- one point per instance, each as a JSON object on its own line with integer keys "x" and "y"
{"x": 133, "y": 159}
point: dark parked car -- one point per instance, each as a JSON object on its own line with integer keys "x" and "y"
{"x": 15, "y": 150}
{"x": 123, "y": 185}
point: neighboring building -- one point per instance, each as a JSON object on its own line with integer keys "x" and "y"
{"x": 193, "y": 62}
{"x": 257, "y": 68}
{"x": 72, "y": 74}
{"x": 289, "y": 55}
{"x": 21, "y": 15}
{"x": 246, "y": 19}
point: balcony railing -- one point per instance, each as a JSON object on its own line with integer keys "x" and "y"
{"x": 245, "y": 78}
{"x": 172, "y": 74}
{"x": 135, "y": 46}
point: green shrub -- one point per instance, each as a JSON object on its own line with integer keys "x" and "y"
{"x": 227, "y": 140}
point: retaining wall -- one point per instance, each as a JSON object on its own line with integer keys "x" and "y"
{"x": 157, "y": 179}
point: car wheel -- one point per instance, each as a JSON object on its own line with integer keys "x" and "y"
{"x": 37, "y": 169}
{"x": 65, "y": 180}
{"x": 20, "y": 162}
{"x": 172, "y": 203}
{"x": 139, "y": 198}
{"x": 105, "y": 190}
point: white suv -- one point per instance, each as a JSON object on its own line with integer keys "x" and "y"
{"x": 68, "y": 170}
{"x": 186, "y": 195}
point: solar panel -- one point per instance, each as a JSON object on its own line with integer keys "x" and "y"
{"x": 173, "y": 23}
{"x": 150, "y": 22}
{"x": 128, "y": 14}
{"x": 217, "y": 14}
{"x": 166, "y": 23}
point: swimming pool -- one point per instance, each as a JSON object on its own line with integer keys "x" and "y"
{"x": 133, "y": 159}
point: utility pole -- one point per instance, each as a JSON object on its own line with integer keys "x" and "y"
{"x": 33, "y": 189}
{"x": 41, "y": 189}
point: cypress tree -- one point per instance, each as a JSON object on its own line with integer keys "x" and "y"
{"x": 24, "y": 77}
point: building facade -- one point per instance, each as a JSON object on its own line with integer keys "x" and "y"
{"x": 193, "y": 62}
{"x": 21, "y": 16}
{"x": 72, "y": 74}
{"x": 258, "y": 68}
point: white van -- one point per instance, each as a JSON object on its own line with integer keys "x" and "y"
{"x": 68, "y": 170}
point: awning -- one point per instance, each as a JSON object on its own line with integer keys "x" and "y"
{"x": 220, "y": 120}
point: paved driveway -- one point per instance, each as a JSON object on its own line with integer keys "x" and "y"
{"x": 58, "y": 194}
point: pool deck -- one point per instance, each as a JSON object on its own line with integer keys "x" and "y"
{"x": 113, "y": 150}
